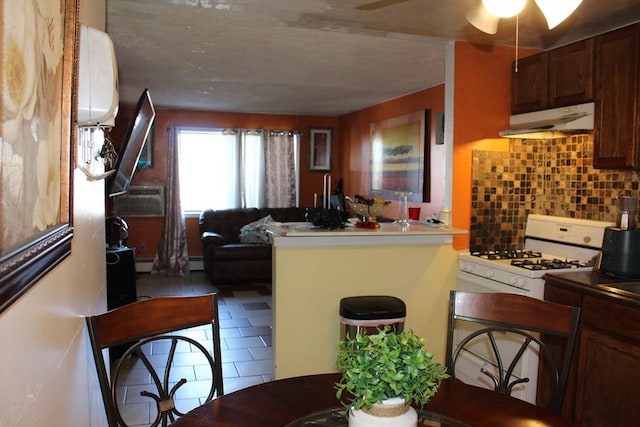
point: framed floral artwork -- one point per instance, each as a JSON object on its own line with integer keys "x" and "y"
{"x": 39, "y": 73}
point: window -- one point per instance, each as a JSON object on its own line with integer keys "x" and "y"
{"x": 223, "y": 169}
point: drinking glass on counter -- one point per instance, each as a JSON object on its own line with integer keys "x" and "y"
{"x": 414, "y": 213}
{"x": 403, "y": 207}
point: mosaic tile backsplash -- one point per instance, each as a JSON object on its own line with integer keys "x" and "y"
{"x": 549, "y": 177}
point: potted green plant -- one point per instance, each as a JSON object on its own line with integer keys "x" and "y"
{"x": 386, "y": 373}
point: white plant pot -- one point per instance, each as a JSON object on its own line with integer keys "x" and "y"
{"x": 362, "y": 418}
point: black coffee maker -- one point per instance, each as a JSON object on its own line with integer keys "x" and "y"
{"x": 621, "y": 244}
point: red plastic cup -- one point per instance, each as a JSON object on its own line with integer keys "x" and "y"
{"x": 414, "y": 214}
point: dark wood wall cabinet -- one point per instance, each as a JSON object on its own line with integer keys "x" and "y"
{"x": 552, "y": 79}
{"x": 571, "y": 74}
{"x": 529, "y": 88}
{"x": 604, "y": 69}
{"x": 604, "y": 382}
{"x": 616, "y": 133}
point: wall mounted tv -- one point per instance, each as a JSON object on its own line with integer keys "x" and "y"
{"x": 133, "y": 143}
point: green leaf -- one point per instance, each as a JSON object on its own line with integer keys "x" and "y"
{"x": 385, "y": 365}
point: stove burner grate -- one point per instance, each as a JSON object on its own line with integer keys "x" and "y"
{"x": 548, "y": 264}
{"x": 507, "y": 254}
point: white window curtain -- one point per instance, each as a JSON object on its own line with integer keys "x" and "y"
{"x": 281, "y": 168}
{"x": 172, "y": 256}
{"x": 253, "y": 168}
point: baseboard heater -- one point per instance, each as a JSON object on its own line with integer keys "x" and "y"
{"x": 144, "y": 265}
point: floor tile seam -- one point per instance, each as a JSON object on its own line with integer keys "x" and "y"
{"x": 257, "y": 313}
{"x": 230, "y": 306}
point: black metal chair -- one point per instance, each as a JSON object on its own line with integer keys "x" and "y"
{"x": 155, "y": 322}
{"x": 532, "y": 322}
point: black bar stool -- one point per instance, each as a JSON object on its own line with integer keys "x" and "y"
{"x": 365, "y": 314}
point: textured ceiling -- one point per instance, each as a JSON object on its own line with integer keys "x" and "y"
{"x": 315, "y": 57}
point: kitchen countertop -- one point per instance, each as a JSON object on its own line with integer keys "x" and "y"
{"x": 626, "y": 291}
{"x": 305, "y": 234}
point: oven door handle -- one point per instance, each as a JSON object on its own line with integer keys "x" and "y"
{"x": 488, "y": 284}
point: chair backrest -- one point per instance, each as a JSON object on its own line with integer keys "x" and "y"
{"x": 531, "y": 320}
{"x": 154, "y": 324}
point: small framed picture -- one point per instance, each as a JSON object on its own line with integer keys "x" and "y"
{"x": 320, "y": 140}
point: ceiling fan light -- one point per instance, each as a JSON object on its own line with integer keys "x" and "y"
{"x": 504, "y": 8}
{"x": 556, "y": 11}
{"x": 480, "y": 18}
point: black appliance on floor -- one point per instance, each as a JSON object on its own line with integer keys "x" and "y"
{"x": 121, "y": 277}
{"x": 121, "y": 271}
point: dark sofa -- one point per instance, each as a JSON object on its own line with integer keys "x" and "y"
{"x": 226, "y": 258}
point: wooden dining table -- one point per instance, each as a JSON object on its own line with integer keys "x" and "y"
{"x": 280, "y": 403}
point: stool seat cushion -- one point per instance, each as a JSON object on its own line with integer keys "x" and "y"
{"x": 372, "y": 307}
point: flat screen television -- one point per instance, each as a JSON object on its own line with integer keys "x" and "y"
{"x": 132, "y": 145}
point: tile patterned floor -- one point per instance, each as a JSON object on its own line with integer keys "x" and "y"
{"x": 245, "y": 330}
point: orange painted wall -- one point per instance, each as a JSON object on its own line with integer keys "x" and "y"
{"x": 356, "y": 137}
{"x": 144, "y": 233}
{"x": 482, "y": 96}
{"x": 482, "y": 106}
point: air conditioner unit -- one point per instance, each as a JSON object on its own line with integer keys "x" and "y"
{"x": 141, "y": 201}
{"x": 97, "y": 79}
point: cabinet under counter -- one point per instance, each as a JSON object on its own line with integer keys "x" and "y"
{"x": 314, "y": 269}
{"x": 604, "y": 380}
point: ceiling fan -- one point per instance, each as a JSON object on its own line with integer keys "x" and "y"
{"x": 487, "y": 13}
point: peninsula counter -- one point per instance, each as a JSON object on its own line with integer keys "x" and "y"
{"x": 314, "y": 269}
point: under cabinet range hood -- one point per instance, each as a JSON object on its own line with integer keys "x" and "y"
{"x": 553, "y": 123}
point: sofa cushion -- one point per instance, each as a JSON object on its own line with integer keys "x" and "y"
{"x": 241, "y": 251}
{"x": 228, "y": 222}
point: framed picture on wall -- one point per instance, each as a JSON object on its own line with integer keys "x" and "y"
{"x": 35, "y": 172}
{"x": 400, "y": 157}
{"x": 320, "y": 141}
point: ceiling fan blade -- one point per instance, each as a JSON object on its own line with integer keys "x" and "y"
{"x": 556, "y": 12}
{"x": 379, "y": 4}
{"x": 482, "y": 19}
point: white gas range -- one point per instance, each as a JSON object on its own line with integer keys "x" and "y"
{"x": 552, "y": 244}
